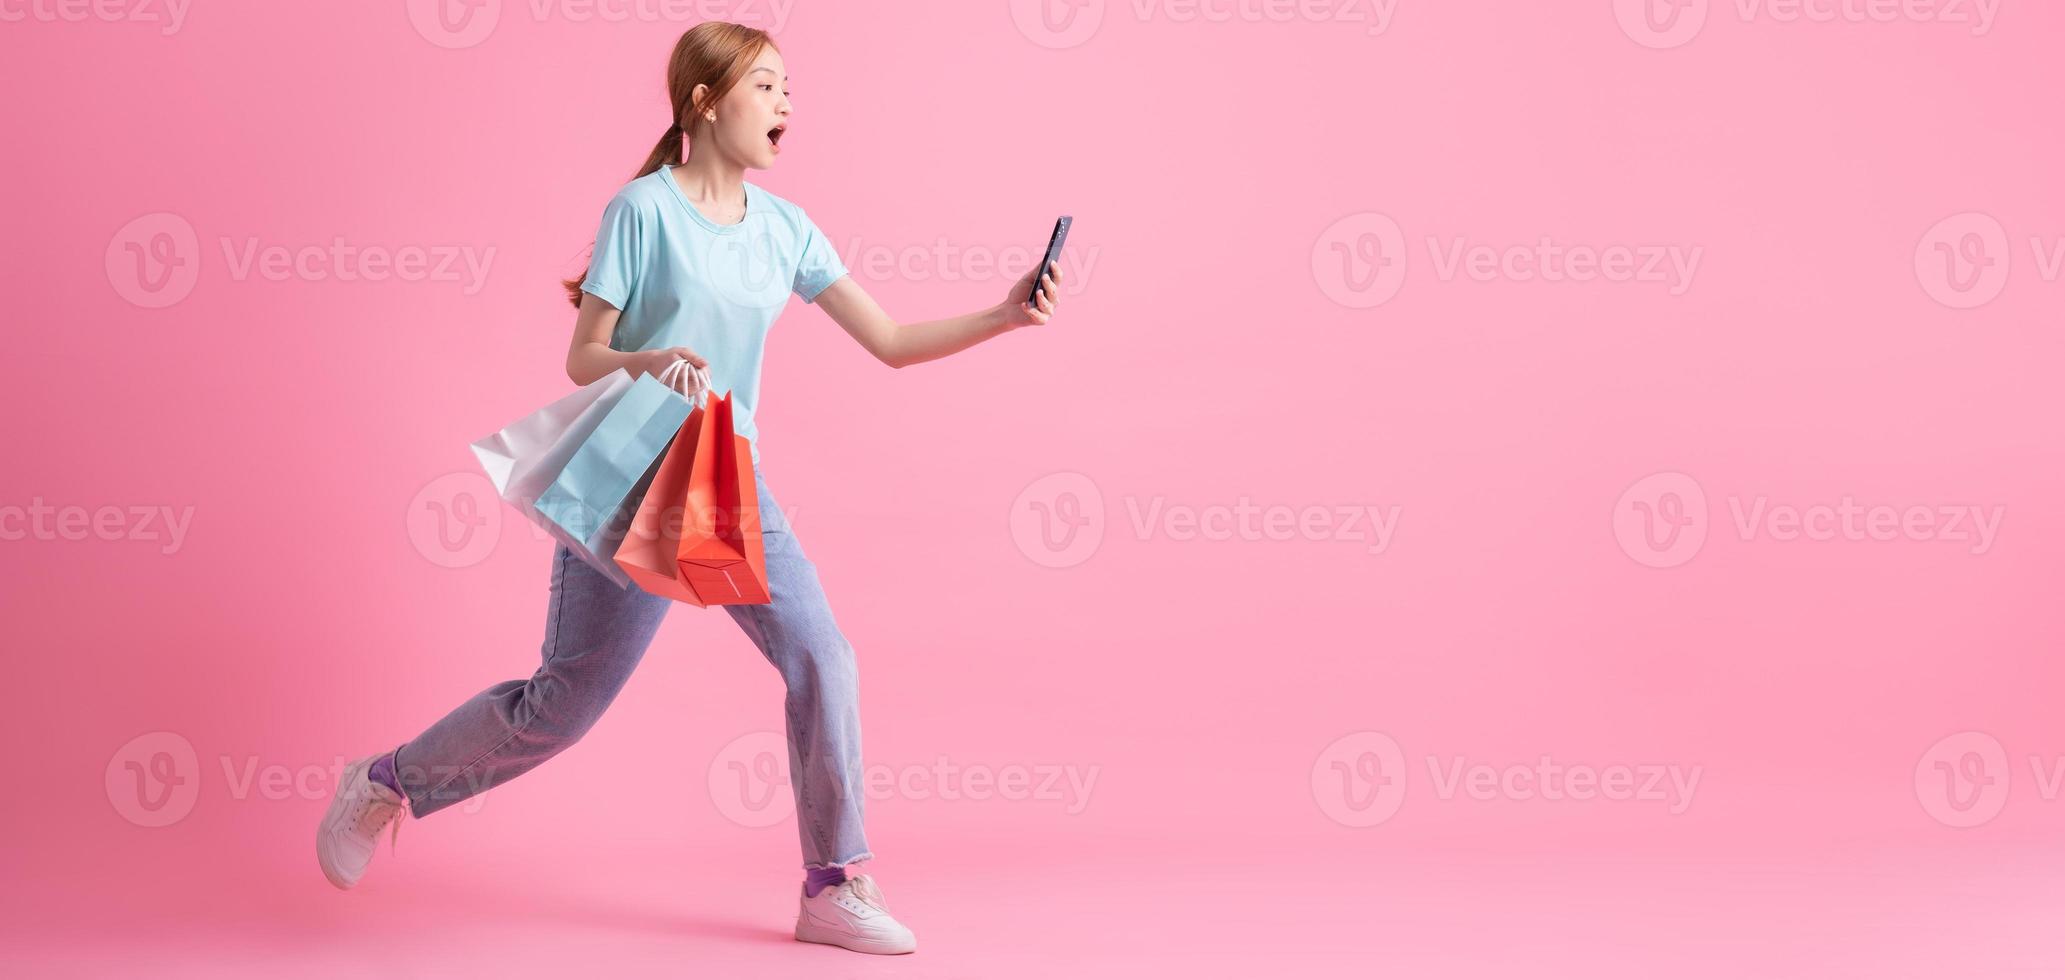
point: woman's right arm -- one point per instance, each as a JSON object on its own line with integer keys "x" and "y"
{"x": 590, "y": 358}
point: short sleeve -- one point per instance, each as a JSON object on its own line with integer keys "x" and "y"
{"x": 620, "y": 248}
{"x": 818, "y": 264}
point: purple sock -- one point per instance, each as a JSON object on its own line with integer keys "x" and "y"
{"x": 819, "y": 879}
{"x": 382, "y": 772}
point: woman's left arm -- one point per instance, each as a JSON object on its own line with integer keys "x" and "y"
{"x": 903, "y": 344}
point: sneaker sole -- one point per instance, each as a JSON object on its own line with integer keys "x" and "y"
{"x": 805, "y": 934}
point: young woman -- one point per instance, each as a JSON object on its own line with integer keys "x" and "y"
{"x": 692, "y": 264}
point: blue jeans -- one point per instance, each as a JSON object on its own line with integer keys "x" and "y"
{"x": 595, "y": 635}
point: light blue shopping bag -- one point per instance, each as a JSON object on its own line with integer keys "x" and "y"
{"x": 589, "y": 504}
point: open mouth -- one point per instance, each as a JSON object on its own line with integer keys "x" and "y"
{"x": 774, "y": 136}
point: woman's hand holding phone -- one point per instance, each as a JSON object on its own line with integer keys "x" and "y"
{"x": 1021, "y": 313}
{"x": 1036, "y": 303}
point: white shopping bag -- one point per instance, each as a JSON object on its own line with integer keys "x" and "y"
{"x": 529, "y": 460}
{"x": 523, "y": 458}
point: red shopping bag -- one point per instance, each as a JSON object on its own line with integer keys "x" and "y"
{"x": 720, "y": 557}
{"x": 696, "y": 535}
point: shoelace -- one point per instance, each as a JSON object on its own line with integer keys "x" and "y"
{"x": 369, "y": 820}
{"x": 862, "y": 888}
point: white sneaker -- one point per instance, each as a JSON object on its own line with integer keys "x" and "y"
{"x": 350, "y": 831}
{"x": 852, "y": 915}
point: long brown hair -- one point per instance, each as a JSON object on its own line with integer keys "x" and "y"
{"x": 713, "y": 53}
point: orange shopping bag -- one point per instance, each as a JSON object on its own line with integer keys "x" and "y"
{"x": 720, "y": 557}
{"x": 692, "y": 540}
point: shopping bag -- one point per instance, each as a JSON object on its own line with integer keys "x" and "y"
{"x": 588, "y": 504}
{"x": 522, "y": 459}
{"x": 721, "y": 557}
{"x": 649, "y": 552}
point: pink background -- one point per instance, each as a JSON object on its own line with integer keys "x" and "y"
{"x": 1206, "y": 354}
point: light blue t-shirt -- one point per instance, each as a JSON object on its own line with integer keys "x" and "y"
{"x": 683, "y": 280}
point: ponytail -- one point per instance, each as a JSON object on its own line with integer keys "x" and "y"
{"x": 666, "y": 152}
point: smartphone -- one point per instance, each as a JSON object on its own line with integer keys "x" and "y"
{"x": 1053, "y": 255}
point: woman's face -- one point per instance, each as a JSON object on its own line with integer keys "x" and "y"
{"x": 751, "y": 117}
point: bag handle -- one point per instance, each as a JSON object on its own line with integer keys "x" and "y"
{"x": 698, "y": 380}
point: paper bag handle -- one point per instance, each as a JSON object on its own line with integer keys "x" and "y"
{"x": 698, "y": 380}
